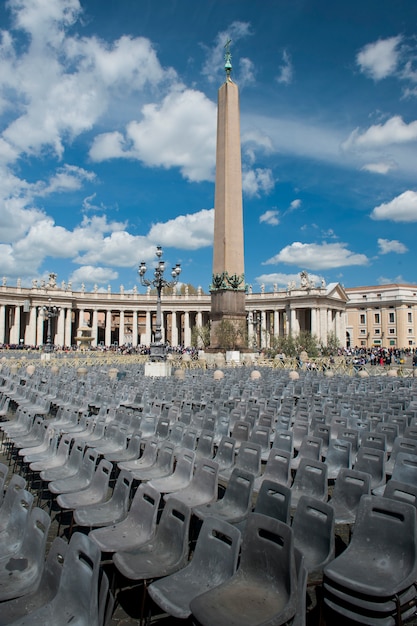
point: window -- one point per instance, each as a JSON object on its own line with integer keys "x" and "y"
{"x": 377, "y": 318}
{"x": 392, "y": 331}
{"x": 362, "y": 318}
{"x": 410, "y": 317}
{"x": 410, "y": 331}
{"x": 377, "y": 331}
{"x": 363, "y": 343}
{"x": 363, "y": 331}
{"x": 391, "y": 318}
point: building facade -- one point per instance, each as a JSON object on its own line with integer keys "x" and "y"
{"x": 382, "y": 316}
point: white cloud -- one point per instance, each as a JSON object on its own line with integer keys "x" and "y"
{"x": 386, "y": 246}
{"x": 90, "y": 275}
{"x": 403, "y": 208}
{"x": 285, "y": 69}
{"x": 282, "y": 280}
{"x": 379, "y": 59}
{"x": 179, "y": 132}
{"x": 270, "y": 217}
{"x": 257, "y": 181}
{"x": 393, "y": 131}
{"x": 294, "y": 205}
{"x": 317, "y": 256}
{"x": 379, "y": 168}
{"x": 67, "y": 178}
{"x": 384, "y": 280}
{"x": 246, "y": 74}
{"x": 194, "y": 231}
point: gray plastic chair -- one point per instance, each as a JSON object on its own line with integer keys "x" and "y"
{"x": 21, "y": 571}
{"x": 47, "y": 588}
{"x": 165, "y": 553}
{"x": 214, "y": 561}
{"x": 247, "y": 458}
{"x": 76, "y": 601}
{"x": 283, "y": 441}
{"x": 310, "y": 448}
{"x": 235, "y": 504}
{"x": 95, "y": 493}
{"x": 401, "y": 444}
{"x": 310, "y": 479}
{"x": 4, "y": 470}
{"x": 137, "y": 528}
{"x": 274, "y": 500}
{"x": 349, "y": 487}
{"x": 339, "y": 455}
{"x": 203, "y": 487}
{"x": 264, "y": 588}
{"x": 146, "y": 460}
{"x": 372, "y": 461}
{"x": 130, "y": 452}
{"x": 401, "y": 491}
{"x": 14, "y": 516}
{"x": 225, "y": 455}
{"x": 378, "y": 569}
{"x": 180, "y": 478}
{"x": 163, "y": 465}
{"x": 110, "y": 512}
{"x": 81, "y": 480}
{"x": 313, "y": 529}
{"x": 205, "y": 445}
{"x": 277, "y": 468}
{"x": 68, "y": 467}
{"x": 57, "y": 459}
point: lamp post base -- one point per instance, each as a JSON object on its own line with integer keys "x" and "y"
{"x": 158, "y": 352}
{"x": 160, "y": 369}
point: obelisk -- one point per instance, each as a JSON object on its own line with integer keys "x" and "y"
{"x": 228, "y": 282}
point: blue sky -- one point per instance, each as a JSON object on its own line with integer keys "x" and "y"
{"x": 108, "y": 131}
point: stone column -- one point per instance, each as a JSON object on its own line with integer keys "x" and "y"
{"x": 30, "y": 335}
{"x": 108, "y": 329}
{"x": 68, "y": 328}
{"x": 187, "y": 329}
{"x": 2, "y": 323}
{"x": 314, "y": 327}
{"x": 15, "y": 329}
{"x": 135, "y": 328}
{"x": 148, "y": 328}
{"x": 276, "y": 324}
{"x": 174, "y": 325}
{"x": 94, "y": 328}
{"x": 60, "y": 335}
{"x": 121, "y": 328}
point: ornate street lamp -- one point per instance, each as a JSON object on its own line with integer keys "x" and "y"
{"x": 254, "y": 318}
{"x": 49, "y": 312}
{"x": 158, "y": 348}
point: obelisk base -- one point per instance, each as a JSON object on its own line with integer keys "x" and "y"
{"x": 228, "y": 320}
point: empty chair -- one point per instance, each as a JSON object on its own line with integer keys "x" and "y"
{"x": 373, "y": 578}
{"x": 262, "y": 436}
{"x": 374, "y": 440}
{"x": 240, "y": 432}
{"x": 180, "y": 478}
{"x": 14, "y": 515}
{"x": 110, "y": 512}
{"x": 349, "y": 487}
{"x": 339, "y": 455}
{"x": 247, "y": 458}
{"x": 76, "y": 601}
{"x": 203, "y": 487}
{"x": 57, "y": 459}
{"x": 310, "y": 448}
{"x": 390, "y": 430}
{"x": 81, "y": 480}
{"x": 349, "y": 434}
{"x": 405, "y": 471}
{"x": 68, "y": 466}
{"x": 166, "y": 553}
{"x": 264, "y": 588}
{"x": 401, "y": 491}
{"x": 21, "y": 572}
{"x": 95, "y": 493}
{"x": 283, "y": 440}
{"x": 372, "y": 461}
{"x": 401, "y": 444}
{"x": 313, "y": 529}
{"x": 214, "y": 561}
{"x": 137, "y": 528}
{"x": 148, "y": 458}
{"x": 310, "y": 479}
{"x": 205, "y": 445}
{"x": 162, "y": 466}
{"x": 323, "y": 432}
{"x": 114, "y": 440}
{"x": 299, "y": 430}
{"x": 277, "y": 468}
{"x": 235, "y": 504}
{"x": 274, "y": 500}
{"x": 225, "y": 455}
{"x": 44, "y": 592}
{"x": 130, "y": 452}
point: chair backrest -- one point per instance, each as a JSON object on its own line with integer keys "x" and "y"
{"x": 401, "y": 491}
{"x": 274, "y": 500}
{"x": 241, "y": 430}
{"x": 311, "y": 478}
{"x": 375, "y": 440}
{"x": 205, "y": 444}
{"x": 278, "y": 467}
{"x": 145, "y": 505}
{"x": 371, "y": 461}
{"x": 225, "y": 455}
{"x": 405, "y": 468}
{"x": 238, "y": 494}
{"x": 283, "y": 440}
{"x": 313, "y": 528}
{"x": 15, "y": 487}
{"x": 401, "y": 444}
{"x": 350, "y": 485}
{"x": 173, "y": 530}
{"x": 249, "y": 457}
